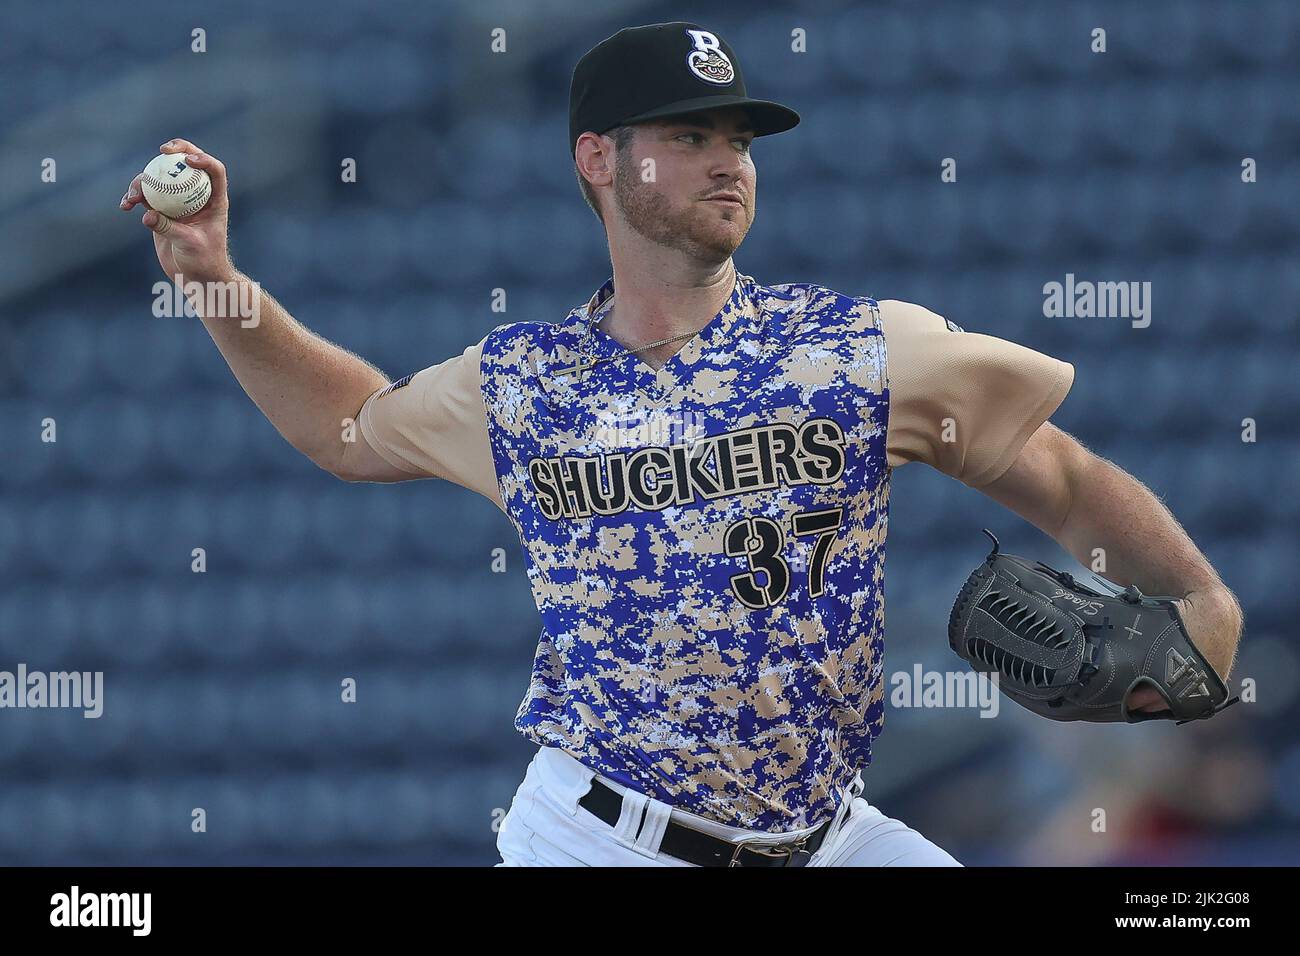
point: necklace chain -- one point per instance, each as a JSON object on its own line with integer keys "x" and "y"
{"x": 675, "y": 338}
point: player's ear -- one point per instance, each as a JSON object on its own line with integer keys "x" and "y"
{"x": 595, "y": 158}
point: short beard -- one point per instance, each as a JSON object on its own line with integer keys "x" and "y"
{"x": 649, "y": 214}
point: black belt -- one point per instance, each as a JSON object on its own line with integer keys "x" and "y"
{"x": 699, "y": 848}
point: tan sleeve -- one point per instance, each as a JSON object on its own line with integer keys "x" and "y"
{"x": 434, "y": 424}
{"x": 963, "y": 402}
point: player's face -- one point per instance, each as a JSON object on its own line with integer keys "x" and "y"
{"x": 696, "y": 157}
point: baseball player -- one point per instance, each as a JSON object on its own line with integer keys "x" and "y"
{"x": 698, "y": 468}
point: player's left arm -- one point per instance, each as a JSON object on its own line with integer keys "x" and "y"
{"x": 976, "y": 408}
{"x": 1086, "y": 503}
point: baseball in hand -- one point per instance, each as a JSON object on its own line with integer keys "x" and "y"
{"x": 173, "y": 187}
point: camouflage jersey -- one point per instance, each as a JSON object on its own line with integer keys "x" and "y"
{"x": 705, "y": 544}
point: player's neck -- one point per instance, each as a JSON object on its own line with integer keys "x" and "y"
{"x": 647, "y": 307}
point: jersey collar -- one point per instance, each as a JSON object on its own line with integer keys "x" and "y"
{"x": 621, "y": 368}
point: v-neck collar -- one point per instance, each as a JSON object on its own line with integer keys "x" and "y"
{"x": 657, "y": 383}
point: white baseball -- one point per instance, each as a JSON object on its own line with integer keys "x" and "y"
{"x": 173, "y": 187}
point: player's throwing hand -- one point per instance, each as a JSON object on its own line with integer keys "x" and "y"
{"x": 193, "y": 248}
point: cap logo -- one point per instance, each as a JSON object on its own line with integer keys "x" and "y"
{"x": 707, "y": 61}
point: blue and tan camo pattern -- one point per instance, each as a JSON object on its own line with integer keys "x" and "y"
{"x": 705, "y": 544}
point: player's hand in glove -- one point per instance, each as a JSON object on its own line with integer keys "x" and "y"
{"x": 1068, "y": 652}
{"x": 195, "y": 247}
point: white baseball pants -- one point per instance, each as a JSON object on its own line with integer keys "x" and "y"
{"x": 546, "y": 827}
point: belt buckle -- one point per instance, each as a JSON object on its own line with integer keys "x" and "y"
{"x": 787, "y": 850}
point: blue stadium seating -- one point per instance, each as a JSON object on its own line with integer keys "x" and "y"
{"x": 224, "y": 686}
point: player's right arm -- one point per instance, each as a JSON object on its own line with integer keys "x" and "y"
{"x": 306, "y": 386}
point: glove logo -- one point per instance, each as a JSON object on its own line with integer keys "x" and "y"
{"x": 1178, "y": 667}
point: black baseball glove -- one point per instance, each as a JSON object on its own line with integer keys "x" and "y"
{"x": 1068, "y": 652}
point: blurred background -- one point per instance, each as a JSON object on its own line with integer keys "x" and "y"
{"x": 222, "y": 689}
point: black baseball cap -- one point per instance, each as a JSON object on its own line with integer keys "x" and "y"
{"x": 658, "y": 70}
